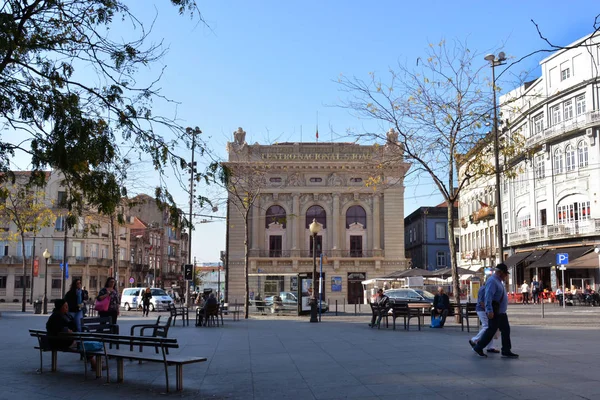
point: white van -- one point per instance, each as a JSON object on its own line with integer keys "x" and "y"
{"x": 132, "y": 298}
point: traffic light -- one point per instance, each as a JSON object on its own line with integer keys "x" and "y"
{"x": 188, "y": 272}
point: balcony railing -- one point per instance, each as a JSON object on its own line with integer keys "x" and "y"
{"x": 309, "y": 253}
{"x": 572, "y": 124}
{"x": 11, "y": 260}
{"x": 542, "y": 233}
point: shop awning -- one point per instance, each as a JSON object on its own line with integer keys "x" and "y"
{"x": 447, "y": 272}
{"x": 589, "y": 260}
{"x": 549, "y": 258}
{"x": 407, "y": 273}
{"x": 516, "y": 258}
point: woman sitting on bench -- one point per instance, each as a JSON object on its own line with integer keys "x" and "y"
{"x": 62, "y": 322}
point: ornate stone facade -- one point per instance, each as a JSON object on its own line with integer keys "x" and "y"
{"x": 362, "y": 225}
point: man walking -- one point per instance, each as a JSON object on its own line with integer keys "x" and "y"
{"x": 480, "y": 308}
{"x": 496, "y": 304}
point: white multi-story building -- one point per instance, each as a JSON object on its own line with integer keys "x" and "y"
{"x": 551, "y": 205}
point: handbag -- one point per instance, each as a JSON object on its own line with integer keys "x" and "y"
{"x": 436, "y": 322}
{"x": 102, "y": 305}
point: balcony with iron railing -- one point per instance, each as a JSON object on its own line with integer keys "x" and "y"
{"x": 558, "y": 231}
{"x": 590, "y": 119}
{"x": 309, "y": 253}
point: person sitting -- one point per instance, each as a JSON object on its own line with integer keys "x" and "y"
{"x": 381, "y": 306}
{"x": 277, "y": 304}
{"x": 441, "y": 305}
{"x": 60, "y": 323}
{"x": 200, "y": 303}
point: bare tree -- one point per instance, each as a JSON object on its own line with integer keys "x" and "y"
{"x": 245, "y": 183}
{"x": 436, "y": 113}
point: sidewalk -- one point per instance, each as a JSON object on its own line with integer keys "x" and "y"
{"x": 289, "y": 358}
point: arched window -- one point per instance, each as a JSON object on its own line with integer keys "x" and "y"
{"x": 570, "y": 158}
{"x": 356, "y": 214}
{"x": 582, "y": 152}
{"x": 318, "y": 213}
{"x": 558, "y": 162}
{"x": 275, "y": 214}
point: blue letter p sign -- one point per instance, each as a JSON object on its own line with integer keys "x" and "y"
{"x": 562, "y": 258}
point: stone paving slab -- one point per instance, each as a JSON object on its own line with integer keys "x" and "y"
{"x": 289, "y": 358}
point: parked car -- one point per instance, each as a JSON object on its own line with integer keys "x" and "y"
{"x": 132, "y": 298}
{"x": 289, "y": 302}
{"x": 410, "y": 295}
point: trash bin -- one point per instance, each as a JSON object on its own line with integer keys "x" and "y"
{"x": 37, "y": 307}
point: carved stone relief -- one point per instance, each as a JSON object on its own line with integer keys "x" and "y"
{"x": 335, "y": 180}
{"x": 295, "y": 179}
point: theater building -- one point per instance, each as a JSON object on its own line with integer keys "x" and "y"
{"x": 354, "y": 192}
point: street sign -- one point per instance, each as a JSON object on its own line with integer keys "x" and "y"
{"x": 562, "y": 259}
{"x": 131, "y": 280}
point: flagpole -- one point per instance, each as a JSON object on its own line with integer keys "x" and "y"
{"x": 317, "y": 127}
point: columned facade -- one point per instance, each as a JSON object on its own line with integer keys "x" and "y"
{"x": 350, "y": 190}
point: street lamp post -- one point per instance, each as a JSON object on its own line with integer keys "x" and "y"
{"x": 46, "y": 255}
{"x": 597, "y": 250}
{"x": 494, "y": 62}
{"x": 314, "y": 228}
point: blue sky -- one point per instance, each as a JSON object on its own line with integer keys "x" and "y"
{"x": 270, "y": 66}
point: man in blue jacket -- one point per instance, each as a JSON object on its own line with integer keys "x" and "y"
{"x": 496, "y": 304}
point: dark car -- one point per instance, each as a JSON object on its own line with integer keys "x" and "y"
{"x": 410, "y": 295}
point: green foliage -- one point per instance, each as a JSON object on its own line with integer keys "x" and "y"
{"x": 73, "y": 122}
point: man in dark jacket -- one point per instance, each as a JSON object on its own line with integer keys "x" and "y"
{"x": 441, "y": 305}
{"x": 382, "y": 305}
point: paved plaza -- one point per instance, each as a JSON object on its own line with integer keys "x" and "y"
{"x": 289, "y": 358}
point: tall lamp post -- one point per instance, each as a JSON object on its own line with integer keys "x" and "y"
{"x": 597, "y": 250}
{"x": 314, "y": 228}
{"x": 494, "y": 62}
{"x": 46, "y": 255}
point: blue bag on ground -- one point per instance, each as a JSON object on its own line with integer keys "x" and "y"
{"x": 436, "y": 322}
{"x": 91, "y": 346}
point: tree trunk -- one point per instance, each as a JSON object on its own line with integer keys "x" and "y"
{"x": 453, "y": 261}
{"x": 64, "y": 269}
{"x": 115, "y": 247}
{"x": 24, "y": 299}
{"x": 246, "y": 267}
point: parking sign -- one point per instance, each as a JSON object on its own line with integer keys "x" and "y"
{"x": 562, "y": 258}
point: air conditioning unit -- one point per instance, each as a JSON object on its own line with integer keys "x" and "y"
{"x": 589, "y": 132}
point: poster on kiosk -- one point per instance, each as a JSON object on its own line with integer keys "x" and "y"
{"x": 304, "y": 292}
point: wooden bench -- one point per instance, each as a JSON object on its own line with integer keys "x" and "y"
{"x": 121, "y": 354}
{"x": 467, "y": 310}
{"x": 375, "y": 313}
{"x": 157, "y": 330}
{"x": 44, "y": 346}
{"x": 407, "y": 311}
{"x": 181, "y": 311}
{"x": 232, "y": 309}
{"x": 99, "y": 325}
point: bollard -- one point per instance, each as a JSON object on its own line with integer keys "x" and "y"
{"x": 336, "y": 308}
{"x": 354, "y": 308}
{"x": 344, "y": 305}
{"x": 542, "y": 308}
